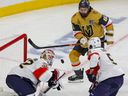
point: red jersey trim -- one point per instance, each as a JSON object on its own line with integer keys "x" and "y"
{"x": 74, "y": 65}
{"x": 77, "y": 33}
{"x": 37, "y": 73}
{"x": 95, "y": 70}
{"x": 90, "y": 55}
{"x": 108, "y": 24}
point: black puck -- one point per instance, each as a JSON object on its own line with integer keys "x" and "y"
{"x": 62, "y": 61}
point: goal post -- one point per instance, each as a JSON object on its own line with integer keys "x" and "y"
{"x": 24, "y": 37}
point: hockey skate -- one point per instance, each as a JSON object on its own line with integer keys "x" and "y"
{"x": 78, "y": 77}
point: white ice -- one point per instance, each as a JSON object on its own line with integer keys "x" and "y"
{"x": 49, "y": 26}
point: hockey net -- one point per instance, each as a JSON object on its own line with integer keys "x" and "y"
{"x": 13, "y": 51}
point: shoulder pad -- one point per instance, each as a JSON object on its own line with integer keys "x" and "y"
{"x": 74, "y": 15}
{"x": 74, "y": 18}
{"x": 95, "y": 12}
{"x": 97, "y": 15}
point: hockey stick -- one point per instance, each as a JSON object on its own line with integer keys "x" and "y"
{"x": 38, "y": 47}
{"x": 56, "y": 81}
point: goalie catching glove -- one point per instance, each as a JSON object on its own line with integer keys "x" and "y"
{"x": 53, "y": 82}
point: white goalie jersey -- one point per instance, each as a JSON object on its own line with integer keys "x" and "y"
{"x": 35, "y": 71}
{"x": 107, "y": 67}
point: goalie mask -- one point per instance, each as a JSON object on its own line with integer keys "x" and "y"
{"x": 48, "y": 56}
{"x": 94, "y": 42}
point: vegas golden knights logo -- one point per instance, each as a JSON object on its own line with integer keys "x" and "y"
{"x": 88, "y": 31}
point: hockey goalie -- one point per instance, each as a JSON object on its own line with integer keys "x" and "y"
{"x": 28, "y": 78}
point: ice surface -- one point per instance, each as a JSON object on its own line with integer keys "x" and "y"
{"x": 50, "y": 26}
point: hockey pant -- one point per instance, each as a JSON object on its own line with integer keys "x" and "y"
{"x": 109, "y": 87}
{"x": 22, "y": 86}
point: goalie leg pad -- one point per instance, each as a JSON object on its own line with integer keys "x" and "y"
{"x": 22, "y": 86}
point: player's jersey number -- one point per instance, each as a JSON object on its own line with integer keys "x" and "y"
{"x": 110, "y": 58}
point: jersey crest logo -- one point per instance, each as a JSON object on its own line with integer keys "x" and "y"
{"x": 88, "y": 30}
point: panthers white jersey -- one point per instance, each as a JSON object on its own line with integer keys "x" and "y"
{"x": 107, "y": 67}
{"x": 34, "y": 72}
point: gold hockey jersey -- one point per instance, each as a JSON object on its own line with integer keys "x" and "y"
{"x": 93, "y": 25}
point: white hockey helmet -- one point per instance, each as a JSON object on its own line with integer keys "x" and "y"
{"x": 48, "y": 55}
{"x": 94, "y": 42}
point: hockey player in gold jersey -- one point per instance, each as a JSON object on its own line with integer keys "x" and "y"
{"x": 87, "y": 23}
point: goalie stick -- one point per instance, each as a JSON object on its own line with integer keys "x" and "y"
{"x": 39, "y": 47}
{"x": 56, "y": 81}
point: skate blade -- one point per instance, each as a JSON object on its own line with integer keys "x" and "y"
{"x": 76, "y": 81}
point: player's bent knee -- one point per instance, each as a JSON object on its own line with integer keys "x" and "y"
{"x": 74, "y": 56}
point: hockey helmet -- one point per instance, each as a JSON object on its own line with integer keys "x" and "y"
{"x": 48, "y": 56}
{"x": 84, "y": 4}
{"x": 94, "y": 42}
{"x": 84, "y": 8}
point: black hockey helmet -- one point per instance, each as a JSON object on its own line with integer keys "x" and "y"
{"x": 84, "y": 4}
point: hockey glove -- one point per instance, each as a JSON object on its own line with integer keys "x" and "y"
{"x": 91, "y": 77}
{"x": 52, "y": 83}
{"x": 58, "y": 86}
{"x": 55, "y": 85}
{"x": 83, "y": 40}
{"x": 53, "y": 80}
{"x": 109, "y": 38}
